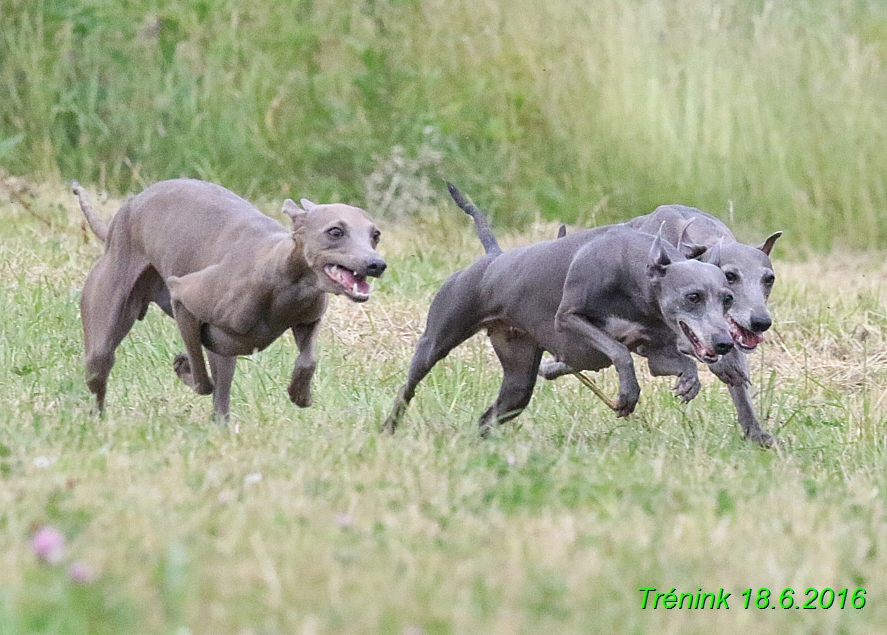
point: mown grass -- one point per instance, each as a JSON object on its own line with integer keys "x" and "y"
{"x": 571, "y": 111}
{"x": 310, "y": 521}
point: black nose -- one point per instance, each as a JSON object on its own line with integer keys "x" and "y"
{"x": 760, "y": 323}
{"x": 723, "y": 345}
{"x": 376, "y": 268}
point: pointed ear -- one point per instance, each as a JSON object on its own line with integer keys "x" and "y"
{"x": 713, "y": 254}
{"x": 658, "y": 259}
{"x": 767, "y": 247}
{"x": 562, "y": 231}
{"x": 308, "y": 205}
{"x": 687, "y": 247}
{"x": 296, "y": 213}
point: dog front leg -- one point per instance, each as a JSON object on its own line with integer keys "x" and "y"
{"x": 580, "y": 333}
{"x": 751, "y": 429}
{"x": 739, "y": 393}
{"x": 189, "y": 327}
{"x": 222, "y": 369}
{"x": 299, "y": 389}
{"x": 732, "y": 369}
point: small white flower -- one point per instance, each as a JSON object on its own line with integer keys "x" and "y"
{"x": 43, "y": 461}
{"x": 252, "y": 479}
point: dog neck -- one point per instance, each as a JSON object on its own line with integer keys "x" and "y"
{"x": 295, "y": 266}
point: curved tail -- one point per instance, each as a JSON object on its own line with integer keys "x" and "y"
{"x": 98, "y": 225}
{"x": 491, "y": 245}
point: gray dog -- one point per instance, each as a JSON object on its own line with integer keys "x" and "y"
{"x": 591, "y": 298}
{"x": 233, "y": 279}
{"x": 750, "y": 276}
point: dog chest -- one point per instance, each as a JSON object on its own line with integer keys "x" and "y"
{"x": 631, "y": 334}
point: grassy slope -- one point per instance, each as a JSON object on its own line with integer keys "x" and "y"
{"x": 551, "y": 525}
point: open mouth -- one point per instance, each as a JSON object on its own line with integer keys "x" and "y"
{"x": 743, "y": 338}
{"x": 354, "y": 285}
{"x": 703, "y": 353}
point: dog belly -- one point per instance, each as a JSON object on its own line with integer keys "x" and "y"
{"x": 587, "y": 359}
{"x": 228, "y": 344}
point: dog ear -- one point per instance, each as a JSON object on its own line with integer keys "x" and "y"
{"x": 561, "y": 232}
{"x": 687, "y": 247}
{"x": 767, "y": 247}
{"x": 308, "y": 205}
{"x": 713, "y": 254}
{"x": 296, "y": 213}
{"x": 691, "y": 251}
{"x": 658, "y": 260}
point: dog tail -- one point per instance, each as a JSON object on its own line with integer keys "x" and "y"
{"x": 481, "y": 225}
{"x": 98, "y": 225}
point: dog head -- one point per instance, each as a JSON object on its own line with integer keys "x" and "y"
{"x": 694, "y": 299}
{"x": 750, "y": 277}
{"x": 339, "y": 244}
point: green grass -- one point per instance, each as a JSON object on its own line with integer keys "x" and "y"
{"x": 571, "y": 111}
{"x": 310, "y": 521}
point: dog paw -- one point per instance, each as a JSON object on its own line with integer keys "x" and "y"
{"x": 222, "y": 419}
{"x": 204, "y": 387}
{"x": 627, "y": 401}
{"x": 183, "y": 368}
{"x": 687, "y": 387}
{"x": 394, "y": 418}
{"x": 302, "y": 399}
{"x": 762, "y": 438}
{"x": 300, "y": 393}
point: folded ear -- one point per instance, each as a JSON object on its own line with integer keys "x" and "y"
{"x": 308, "y": 205}
{"x": 713, "y": 254}
{"x": 767, "y": 247}
{"x": 296, "y": 213}
{"x": 658, "y": 259}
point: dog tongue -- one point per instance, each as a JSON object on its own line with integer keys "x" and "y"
{"x": 348, "y": 280}
{"x": 751, "y": 339}
{"x": 745, "y": 338}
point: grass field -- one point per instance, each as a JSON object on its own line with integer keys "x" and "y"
{"x": 310, "y": 521}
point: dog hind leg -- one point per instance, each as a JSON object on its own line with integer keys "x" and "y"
{"x": 453, "y": 317}
{"x": 519, "y": 355}
{"x": 108, "y": 309}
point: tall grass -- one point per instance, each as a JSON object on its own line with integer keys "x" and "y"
{"x": 586, "y": 112}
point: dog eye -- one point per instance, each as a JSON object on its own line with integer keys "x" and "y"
{"x": 376, "y": 236}
{"x": 335, "y": 232}
{"x": 694, "y": 298}
{"x": 769, "y": 279}
{"x": 732, "y": 276}
{"x": 728, "y": 301}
